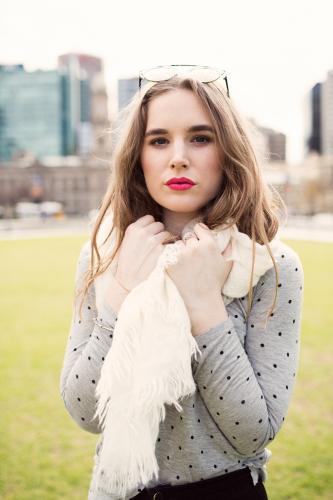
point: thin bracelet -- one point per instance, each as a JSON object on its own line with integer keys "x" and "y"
{"x": 122, "y": 286}
{"x": 98, "y": 323}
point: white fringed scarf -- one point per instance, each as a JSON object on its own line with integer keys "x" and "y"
{"x": 149, "y": 362}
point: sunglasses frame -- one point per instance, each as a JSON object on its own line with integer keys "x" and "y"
{"x": 222, "y": 74}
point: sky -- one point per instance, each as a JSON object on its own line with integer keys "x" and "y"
{"x": 273, "y": 51}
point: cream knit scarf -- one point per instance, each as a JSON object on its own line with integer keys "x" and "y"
{"x": 149, "y": 362}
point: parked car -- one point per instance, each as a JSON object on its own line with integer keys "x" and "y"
{"x": 45, "y": 209}
{"x": 51, "y": 209}
{"x": 25, "y": 209}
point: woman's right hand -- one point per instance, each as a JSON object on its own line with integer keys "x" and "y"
{"x": 139, "y": 251}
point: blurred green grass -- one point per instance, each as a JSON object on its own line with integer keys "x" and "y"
{"x": 45, "y": 455}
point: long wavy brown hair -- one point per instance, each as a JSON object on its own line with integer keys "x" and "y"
{"x": 244, "y": 199}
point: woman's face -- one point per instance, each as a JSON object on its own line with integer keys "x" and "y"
{"x": 180, "y": 142}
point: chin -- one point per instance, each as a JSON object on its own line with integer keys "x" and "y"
{"x": 180, "y": 208}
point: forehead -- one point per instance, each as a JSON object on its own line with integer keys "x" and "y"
{"x": 176, "y": 107}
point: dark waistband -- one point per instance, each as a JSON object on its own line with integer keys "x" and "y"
{"x": 229, "y": 481}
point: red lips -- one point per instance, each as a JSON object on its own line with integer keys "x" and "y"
{"x": 180, "y": 180}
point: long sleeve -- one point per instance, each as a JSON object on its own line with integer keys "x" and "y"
{"x": 246, "y": 373}
{"x": 89, "y": 341}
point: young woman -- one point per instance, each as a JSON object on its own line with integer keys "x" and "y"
{"x": 188, "y": 127}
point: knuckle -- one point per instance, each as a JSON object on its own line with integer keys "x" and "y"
{"x": 130, "y": 228}
{"x": 148, "y": 217}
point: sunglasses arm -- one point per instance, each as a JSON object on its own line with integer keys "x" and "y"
{"x": 226, "y": 82}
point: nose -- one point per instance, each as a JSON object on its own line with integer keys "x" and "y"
{"x": 179, "y": 156}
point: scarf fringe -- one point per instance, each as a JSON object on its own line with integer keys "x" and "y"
{"x": 135, "y": 383}
{"x": 132, "y": 455}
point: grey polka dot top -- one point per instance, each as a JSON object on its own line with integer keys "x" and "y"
{"x": 244, "y": 381}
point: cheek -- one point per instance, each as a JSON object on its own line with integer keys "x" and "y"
{"x": 143, "y": 159}
{"x": 209, "y": 160}
{"x": 149, "y": 167}
{"x": 149, "y": 161}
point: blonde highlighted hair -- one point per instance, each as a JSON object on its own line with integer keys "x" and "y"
{"x": 244, "y": 198}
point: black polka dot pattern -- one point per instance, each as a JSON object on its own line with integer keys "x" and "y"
{"x": 244, "y": 379}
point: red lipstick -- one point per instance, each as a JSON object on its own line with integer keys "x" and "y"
{"x": 180, "y": 183}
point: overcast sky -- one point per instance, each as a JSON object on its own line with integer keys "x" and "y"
{"x": 273, "y": 51}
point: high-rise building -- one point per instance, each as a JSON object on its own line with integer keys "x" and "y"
{"x": 127, "y": 88}
{"x": 101, "y": 146}
{"x": 33, "y": 113}
{"x": 86, "y": 90}
{"x": 276, "y": 145}
{"x": 268, "y": 142}
{"x": 326, "y": 111}
{"x": 314, "y": 119}
{"x": 85, "y": 64}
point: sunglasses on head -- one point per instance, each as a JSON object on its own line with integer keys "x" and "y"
{"x": 203, "y": 74}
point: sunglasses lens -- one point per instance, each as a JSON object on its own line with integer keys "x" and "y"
{"x": 205, "y": 75}
{"x": 158, "y": 74}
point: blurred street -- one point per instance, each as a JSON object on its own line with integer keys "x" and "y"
{"x": 315, "y": 228}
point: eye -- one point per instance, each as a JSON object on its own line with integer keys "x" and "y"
{"x": 159, "y": 141}
{"x": 202, "y": 139}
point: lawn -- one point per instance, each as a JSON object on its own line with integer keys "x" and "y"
{"x": 45, "y": 456}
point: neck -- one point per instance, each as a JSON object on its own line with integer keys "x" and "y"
{"x": 175, "y": 222}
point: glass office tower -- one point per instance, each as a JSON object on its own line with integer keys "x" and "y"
{"x": 34, "y": 113}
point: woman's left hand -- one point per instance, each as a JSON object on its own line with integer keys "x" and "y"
{"x": 201, "y": 270}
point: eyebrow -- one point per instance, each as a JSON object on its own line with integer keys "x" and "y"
{"x": 194, "y": 128}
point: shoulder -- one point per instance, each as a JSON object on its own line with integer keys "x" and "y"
{"x": 84, "y": 254}
{"x": 83, "y": 260}
{"x": 101, "y": 237}
{"x": 290, "y": 274}
{"x": 287, "y": 259}
{"x": 85, "y": 250}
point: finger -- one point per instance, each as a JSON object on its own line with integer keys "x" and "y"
{"x": 190, "y": 239}
{"x": 143, "y": 221}
{"x": 188, "y": 235}
{"x": 203, "y": 232}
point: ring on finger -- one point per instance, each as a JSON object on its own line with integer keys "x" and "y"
{"x": 188, "y": 236}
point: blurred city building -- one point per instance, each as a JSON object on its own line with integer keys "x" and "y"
{"x": 319, "y": 117}
{"x": 33, "y": 114}
{"x": 270, "y": 144}
{"x": 54, "y": 113}
{"x": 88, "y": 103}
{"x": 54, "y": 130}
{"x": 275, "y": 144}
{"x": 127, "y": 88}
{"x": 313, "y": 127}
{"x": 78, "y": 184}
{"x": 307, "y": 188}
{"x": 327, "y": 115}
